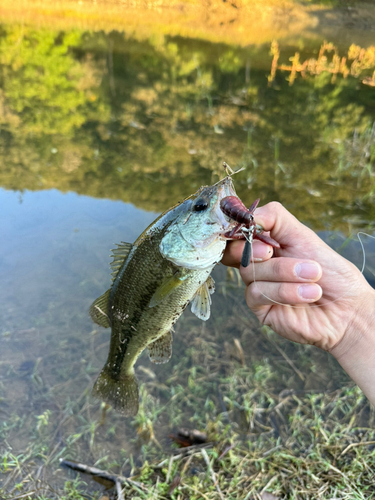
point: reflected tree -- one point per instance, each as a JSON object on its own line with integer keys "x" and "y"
{"x": 148, "y": 122}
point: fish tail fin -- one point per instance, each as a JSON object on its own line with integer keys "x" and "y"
{"x": 122, "y": 394}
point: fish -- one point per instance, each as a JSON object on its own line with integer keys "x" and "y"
{"x": 154, "y": 279}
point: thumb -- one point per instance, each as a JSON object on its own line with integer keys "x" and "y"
{"x": 283, "y": 226}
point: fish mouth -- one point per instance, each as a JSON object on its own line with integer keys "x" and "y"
{"x": 224, "y": 188}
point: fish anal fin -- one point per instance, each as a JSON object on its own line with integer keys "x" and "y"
{"x": 160, "y": 351}
{"x": 122, "y": 394}
{"x": 99, "y": 308}
{"x": 119, "y": 256}
{"x": 166, "y": 288}
{"x": 201, "y": 303}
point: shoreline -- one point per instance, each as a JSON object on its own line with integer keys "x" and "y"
{"x": 241, "y": 23}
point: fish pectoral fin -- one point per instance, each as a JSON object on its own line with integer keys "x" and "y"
{"x": 99, "y": 308}
{"x": 201, "y": 303}
{"x": 166, "y": 288}
{"x": 119, "y": 256}
{"x": 160, "y": 351}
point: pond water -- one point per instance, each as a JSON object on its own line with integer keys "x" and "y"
{"x": 100, "y": 132}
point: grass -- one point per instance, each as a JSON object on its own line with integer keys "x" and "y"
{"x": 280, "y": 418}
{"x": 310, "y": 445}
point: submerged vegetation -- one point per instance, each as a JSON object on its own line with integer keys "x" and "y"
{"x": 279, "y": 417}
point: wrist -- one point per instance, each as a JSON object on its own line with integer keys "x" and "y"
{"x": 360, "y": 333}
{"x": 356, "y": 350}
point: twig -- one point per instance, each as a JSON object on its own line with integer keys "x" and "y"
{"x": 93, "y": 471}
{"x": 176, "y": 481}
{"x": 120, "y": 494}
{"x": 226, "y": 450}
{"x": 169, "y": 469}
{"x": 32, "y": 493}
{"x": 193, "y": 448}
{"x": 354, "y": 445}
{"x": 213, "y": 475}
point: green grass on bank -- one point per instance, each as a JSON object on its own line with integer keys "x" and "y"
{"x": 297, "y": 446}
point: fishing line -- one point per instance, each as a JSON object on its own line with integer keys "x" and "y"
{"x": 230, "y": 172}
{"x": 249, "y": 237}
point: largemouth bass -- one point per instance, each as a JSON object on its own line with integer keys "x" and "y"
{"x": 154, "y": 280}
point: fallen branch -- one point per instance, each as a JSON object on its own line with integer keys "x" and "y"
{"x": 188, "y": 450}
{"x": 120, "y": 494}
{"x": 101, "y": 474}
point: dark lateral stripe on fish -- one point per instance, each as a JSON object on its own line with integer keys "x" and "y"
{"x": 128, "y": 332}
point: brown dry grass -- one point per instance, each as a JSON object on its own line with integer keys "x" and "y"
{"x": 238, "y": 22}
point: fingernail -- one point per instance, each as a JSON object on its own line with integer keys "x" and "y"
{"x": 309, "y": 291}
{"x": 261, "y": 251}
{"x": 307, "y": 270}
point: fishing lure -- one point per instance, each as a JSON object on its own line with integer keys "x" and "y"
{"x": 246, "y": 228}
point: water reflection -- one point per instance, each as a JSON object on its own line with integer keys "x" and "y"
{"x": 147, "y": 122}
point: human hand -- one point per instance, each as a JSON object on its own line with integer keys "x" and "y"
{"x": 304, "y": 273}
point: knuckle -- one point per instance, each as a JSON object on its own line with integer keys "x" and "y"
{"x": 253, "y": 295}
{"x": 278, "y": 267}
{"x": 284, "y": 292}
{"x": 276, "y": 206}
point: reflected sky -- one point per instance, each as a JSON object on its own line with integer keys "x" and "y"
{"x": 50, "y": 237}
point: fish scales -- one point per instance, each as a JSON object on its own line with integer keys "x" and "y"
{"x": 168, "y": 267}
{"x": 133, "y": 318}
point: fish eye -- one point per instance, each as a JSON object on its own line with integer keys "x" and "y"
{"x": 200, "y": 205}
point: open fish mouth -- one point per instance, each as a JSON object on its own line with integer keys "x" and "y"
{"x": 224, "y": 188}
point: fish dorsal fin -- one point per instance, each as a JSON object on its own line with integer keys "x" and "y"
{"x": 99, "y": 309}
{"x": 160, "y": 351}
{"x": 119, "y": 256}
{"x": 167, "y": 287}
{"x": 201, "y": 303}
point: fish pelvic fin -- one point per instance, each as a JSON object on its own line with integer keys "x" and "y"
{"x": 121, "y": 394}
{"x": 99, "y": 309}
{"x": 160, "y": 351}
{"x": 201, "y": 303}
